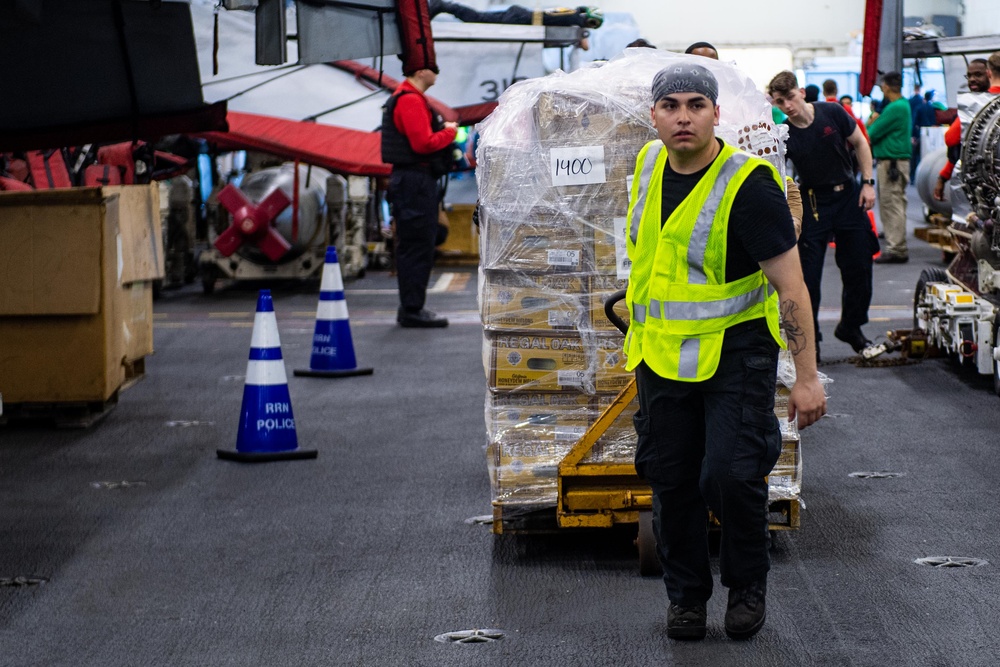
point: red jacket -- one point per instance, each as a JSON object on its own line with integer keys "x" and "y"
{"x": 413, "y": 118}
{"x": 953, "y": 137}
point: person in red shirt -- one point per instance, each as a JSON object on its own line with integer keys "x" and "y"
{"x": 981, "y": 79}
{"x": 418, "y": 144}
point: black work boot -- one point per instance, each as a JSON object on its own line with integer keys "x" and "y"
{"x": 421, "y": 319}
{"x": 853, "y": 337}
{"x": 746, "y": 611}
{"x": 686, "y": 622}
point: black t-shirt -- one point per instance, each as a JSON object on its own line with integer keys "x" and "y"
{"x": 821, "y": 152}
{"x": 760, "y": 224}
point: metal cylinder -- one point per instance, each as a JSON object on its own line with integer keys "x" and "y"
{"x": 926, "y": 178}
{"x": 311, "y": 207}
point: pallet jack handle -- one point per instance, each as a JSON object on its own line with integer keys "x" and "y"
{"x": 609, "y": 310}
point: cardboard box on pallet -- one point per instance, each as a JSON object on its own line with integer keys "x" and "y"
{"x": 526, "y": 417}
{"x": 530, "y": 362}
{"x": 539, "y": 243}
{"x": 533, "y": 302}
{"x": 525, "y": 472}
{"x": 567, "y": 117}
{"x": 596, "y": 140}
{"x": 610, "y": 251}
{"x": 610, "y": 375}
{"x": 784, "y": 482}
{"x": 75, "y": 297}
{"x": 529, "y": 434}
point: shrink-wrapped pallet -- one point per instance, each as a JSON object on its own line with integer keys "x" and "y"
{"x": 555, "y": 163}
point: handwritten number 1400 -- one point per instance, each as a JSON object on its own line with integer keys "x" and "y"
{"x": 574, "y": 167}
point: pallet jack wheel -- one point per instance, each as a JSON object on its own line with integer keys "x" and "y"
{"x": 932, "y": 275}
{"x": 649, "y": 563}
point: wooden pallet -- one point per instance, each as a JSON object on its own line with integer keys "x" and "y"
{"x": 73, "y": 414}
{"x": 937, "y": 233}
{"x": 61, "y": 414}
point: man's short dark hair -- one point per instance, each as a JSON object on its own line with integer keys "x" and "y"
{"x": 639, "y": 43}
{"x": 700, "y": 45}
{"x": 812, "y": 93}
{"x": 782, "y": 84}
{"x": 829, "y": 88}
{"x": 894, "y": 80}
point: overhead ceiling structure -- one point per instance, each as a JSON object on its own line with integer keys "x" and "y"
{"x": 327, "y": 113}
{"x": 116, "y": 70}
{"x": 99, "y": 71}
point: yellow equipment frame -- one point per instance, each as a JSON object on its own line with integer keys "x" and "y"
{"x": 600, "y": 495}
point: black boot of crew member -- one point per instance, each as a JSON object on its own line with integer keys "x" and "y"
{"x": 421, "y": 319}
{"x": 746, "y": 611}
{"x": 853, "y": 337}
{"x": 686, "y": 622}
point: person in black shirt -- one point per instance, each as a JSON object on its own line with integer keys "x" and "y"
{"x": 706, "y": 429}
{"x": 833, "y": 204}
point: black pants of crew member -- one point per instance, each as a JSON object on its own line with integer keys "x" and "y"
{"x": 413, "y": 195}
{"x": 708, "y": 445}
{"x": 514, "y": 15}
{"x": 847, "y": 224}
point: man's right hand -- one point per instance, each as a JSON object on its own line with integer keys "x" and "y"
{"x": 939, "y": 189}
{"x": 807, "y": 401}
{"x": 451, "y": 125}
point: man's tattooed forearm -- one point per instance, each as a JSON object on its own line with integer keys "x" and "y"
{"x": 794, "y": 334}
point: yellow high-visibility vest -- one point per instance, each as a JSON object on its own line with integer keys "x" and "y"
{"x": 678, "y": 298}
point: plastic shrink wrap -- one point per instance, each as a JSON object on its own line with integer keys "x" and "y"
{"x": 555, "y": 161}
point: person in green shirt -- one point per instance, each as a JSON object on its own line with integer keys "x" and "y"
{"x": 889, "y": 132}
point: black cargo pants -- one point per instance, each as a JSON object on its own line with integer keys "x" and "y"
{"x": 414, "y": 201}
{"x": 829, "y": 215}
{"x": 709, "y": 445}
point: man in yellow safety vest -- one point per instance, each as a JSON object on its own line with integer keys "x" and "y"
{"x": 711, "y": 239}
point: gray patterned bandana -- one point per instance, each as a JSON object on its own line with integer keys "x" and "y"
{"x": 685, "y": 78}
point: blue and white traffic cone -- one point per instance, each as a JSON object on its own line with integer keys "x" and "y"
{"x": 267, "y": 427}
{"x": 333, "y": 349}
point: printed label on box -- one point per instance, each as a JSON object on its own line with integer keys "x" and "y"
{"x": 560, "y": 257}
{"x": 577, "y": 165}
{"x": 572, "y": 433}
{"x": 562, "y": 318}
{"x": 571, "y": 378}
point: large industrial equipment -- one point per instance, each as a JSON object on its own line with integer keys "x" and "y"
{"x": 958, "y": 308}
{"x": 265, "y": 230}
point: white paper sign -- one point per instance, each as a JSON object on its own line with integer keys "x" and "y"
{"x": 577, "y": 165}
{"x": 624, "y": 264}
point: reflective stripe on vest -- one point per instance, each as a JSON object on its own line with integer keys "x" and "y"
{"x": 703, "y": 226}
{"x": 648, "y": 166}
{"x": 687, "y": 366}
{"x": 700, "y": 310}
